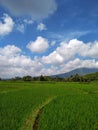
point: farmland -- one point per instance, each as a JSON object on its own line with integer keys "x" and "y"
{"x": 66, "y": 106}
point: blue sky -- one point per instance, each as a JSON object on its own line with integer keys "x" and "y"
{"x": 47, "y": 36}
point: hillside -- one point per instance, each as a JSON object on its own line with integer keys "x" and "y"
{"x": 80, "y": 71}
{"x": 92, "y": 76}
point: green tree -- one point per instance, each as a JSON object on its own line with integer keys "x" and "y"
{"x": 27, "y": 78}
{"x": 42, "y": 78}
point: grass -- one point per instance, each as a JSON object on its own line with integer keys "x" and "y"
{"x": 20, "y": 102}
{"x": 75, "y": 112}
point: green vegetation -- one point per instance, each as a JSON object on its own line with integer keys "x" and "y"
{"x": 65, "y": 105}
{"x": 71, "y": 112}
{"x": 92, "y": 77}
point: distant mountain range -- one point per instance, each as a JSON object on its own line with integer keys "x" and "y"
{"x": 80, "y": 71}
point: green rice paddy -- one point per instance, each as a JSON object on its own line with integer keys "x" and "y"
{"x": 66, "y": 106}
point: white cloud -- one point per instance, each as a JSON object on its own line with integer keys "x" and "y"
{"x": 68, "y": 51}
{"x": 84, "y": 49}
{"x": 54, "y": 58}
{"x": 41, "y": 27}
{"x": 21, "y": 28}
{"x": 10, "y": 50}
{"x": 78, "y": 63}
{"x": 90, "y": 50}
{"x": 13, "y": 63}
{"x": 35, "y": 8}
{"x": 39, "y": 45}
{"x": 7, "y": 25}
{"x": 66, "y": 57}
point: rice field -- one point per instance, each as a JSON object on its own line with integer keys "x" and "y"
{"x": 65, "y": 106}
{"x": 75, "y": 112}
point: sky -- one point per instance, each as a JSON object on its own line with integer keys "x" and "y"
{"x": 47, "y": 37}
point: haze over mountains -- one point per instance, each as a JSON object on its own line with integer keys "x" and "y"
{"x": 80, "y": 71}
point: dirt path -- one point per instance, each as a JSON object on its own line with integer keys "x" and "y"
{"x": 33, "y": 119}
{"x": 36, "y": 122}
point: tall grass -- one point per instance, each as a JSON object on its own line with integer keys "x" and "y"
{"x": 71, "y": 112}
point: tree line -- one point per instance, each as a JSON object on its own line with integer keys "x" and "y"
{"x": 72, "y": 78}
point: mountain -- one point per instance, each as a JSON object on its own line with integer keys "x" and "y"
{"x": 80, "y": 71}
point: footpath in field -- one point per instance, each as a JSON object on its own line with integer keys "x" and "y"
{"x": 35, "y": 126}
{"x": 33, "y": 118}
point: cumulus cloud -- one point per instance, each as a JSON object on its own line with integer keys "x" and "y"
{"x": 90, "y": 50}
{"x": 54, "y": 58}
{"x": 7, "y": 25}
{"x": 14, "y": 63}
{"x": 41, "y": 27}
{"x": 35, "y": 8}
{"x": 84, "y": 49}
{"x": 39, "y": 45}
{"x": 10, "y": 50}
{"x": 78, "y": 63}
{"x": 68, "y": 51}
